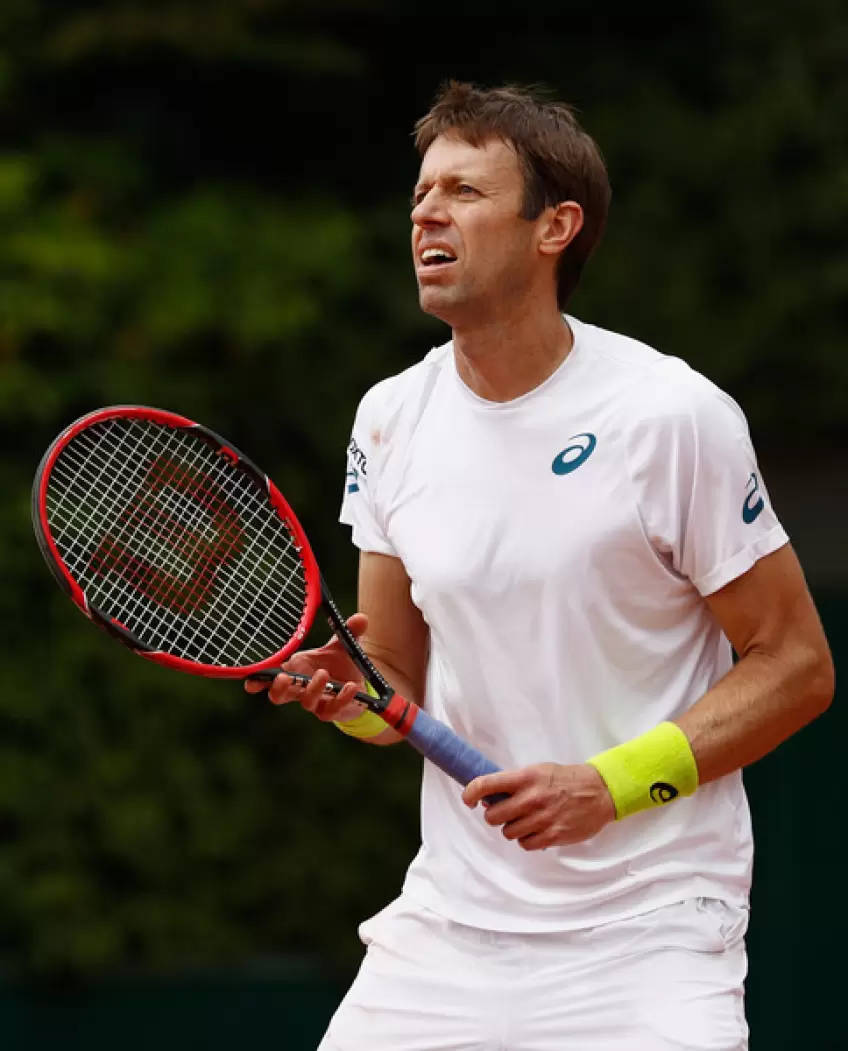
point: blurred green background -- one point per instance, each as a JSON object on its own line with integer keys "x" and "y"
{"x": 204, "y": 207}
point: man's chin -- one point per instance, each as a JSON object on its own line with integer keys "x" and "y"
{"x": 438, "y": 303}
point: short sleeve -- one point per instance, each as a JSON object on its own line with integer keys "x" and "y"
{"x": 359, "y": 507}
{"x": 699, "y": 490}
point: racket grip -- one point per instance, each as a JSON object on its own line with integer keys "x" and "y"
{"x": 450, "y": 753}
{"x": 427, "y": 735}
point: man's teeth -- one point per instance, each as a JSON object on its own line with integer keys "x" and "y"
{"x": 436, "y": 255}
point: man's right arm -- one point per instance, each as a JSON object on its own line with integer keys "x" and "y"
{"x": 397, "y": 638}
{"x": 392, "y": 632}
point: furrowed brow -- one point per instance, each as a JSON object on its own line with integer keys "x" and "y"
{"x": 449, "y": 182}
{"x": 419, "y": 188}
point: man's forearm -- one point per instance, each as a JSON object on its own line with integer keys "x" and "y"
{"x": 761, "y": 702}
{"x": 784, "y": 675}
{"x": 397, "y": 639}
{"x": 400, "y": 684}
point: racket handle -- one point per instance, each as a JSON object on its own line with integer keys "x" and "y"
{"x": 427, "y": 735}
{"x": 450, "y": 753}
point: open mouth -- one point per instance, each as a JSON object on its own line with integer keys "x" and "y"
{"x": 436, "y": 257}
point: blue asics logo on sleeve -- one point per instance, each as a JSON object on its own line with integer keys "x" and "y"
{"x": 352, "y": 478}
{"x": 754, "y": 502}
{"x": 574, "y": 454}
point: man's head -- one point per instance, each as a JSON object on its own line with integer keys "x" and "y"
{"x": 557, "y": 160}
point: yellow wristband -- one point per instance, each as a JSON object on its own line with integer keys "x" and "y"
{"x": 366, "y": 725}
{"x": 649, "y": 771}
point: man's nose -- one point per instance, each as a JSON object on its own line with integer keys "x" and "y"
{"x": 430, "y": 210}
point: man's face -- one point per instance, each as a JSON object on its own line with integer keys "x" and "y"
{"x": 474, "y": 255}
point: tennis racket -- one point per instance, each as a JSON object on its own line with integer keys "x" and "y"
{"x": 170, "y": 539}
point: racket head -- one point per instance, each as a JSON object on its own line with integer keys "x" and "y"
{"x": 166, "y": 535}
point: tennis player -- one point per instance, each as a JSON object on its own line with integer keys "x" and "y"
{"x": 563, "y": 533}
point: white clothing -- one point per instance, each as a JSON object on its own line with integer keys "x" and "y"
{"x": 559, "y": 546}
{"x": 666, "y": 981}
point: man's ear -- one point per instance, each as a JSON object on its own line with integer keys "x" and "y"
{"x": 561, "y": 224}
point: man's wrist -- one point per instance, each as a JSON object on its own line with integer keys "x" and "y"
{"x": 365, "y": 725}
{"x": 649, "y": 771}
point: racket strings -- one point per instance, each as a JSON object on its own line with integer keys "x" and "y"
{"x": 131, "y": 581}
{"x": 130, "y": 576}
{"x": 191, "y": 519}
{"x": 162, "y": 540}
{"x": 188, "y": 544}
{"x": 170, "y": 538}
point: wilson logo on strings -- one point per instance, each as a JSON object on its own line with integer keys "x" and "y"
{"x": 187, "y": 551}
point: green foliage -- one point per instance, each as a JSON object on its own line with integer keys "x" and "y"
{"x": 152, "y": 819}
{"x": 726, "y": 243}
{"x": 203, "y": 207}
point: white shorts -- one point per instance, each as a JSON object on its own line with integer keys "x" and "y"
{"x": 669, "y": 979}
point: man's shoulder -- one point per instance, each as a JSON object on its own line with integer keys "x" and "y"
{"x": 614, "y": 349}
{"x": 411, "y": 386}
{"x": 654, "y": 384}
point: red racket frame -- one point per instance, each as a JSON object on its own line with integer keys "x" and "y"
{"x": 72, "y": 588}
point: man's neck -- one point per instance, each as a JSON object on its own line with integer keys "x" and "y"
{"x": 503, "y": 360}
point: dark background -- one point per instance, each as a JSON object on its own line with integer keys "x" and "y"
{"x": 205, "y": 207}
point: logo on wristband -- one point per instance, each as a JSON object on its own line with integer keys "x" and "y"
{"x": 661, "y": 792}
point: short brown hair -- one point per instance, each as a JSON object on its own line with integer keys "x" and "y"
{"x": 559, "y": 160}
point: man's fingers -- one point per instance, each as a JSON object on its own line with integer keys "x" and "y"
{"x": 348, "y": 693}
{"x": 536, "y": 841}
{"x": 329, "y": 661}
{"x": 357, "y": 625}
{"x": 509, "y": 810}
{"x": 284, "y": 689}
{"x": 546, "y": 806}
{"x": 255, "y": 685}
{"x": 314, "y": 697}
{"x": 526, "y": 825}
{"x": 505, "y": 781}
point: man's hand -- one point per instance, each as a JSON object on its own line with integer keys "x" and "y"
{"x": 549, "y": 805}
{"x": 327, "y": 662}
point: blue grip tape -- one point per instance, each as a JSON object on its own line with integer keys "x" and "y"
{"x": 450, "y": 753}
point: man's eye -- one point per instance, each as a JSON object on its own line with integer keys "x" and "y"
{"x": 465, "y": 189}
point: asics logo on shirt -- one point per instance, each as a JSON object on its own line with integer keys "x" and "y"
{"x": 576, "y": 453}
{"x": 352, "y": 479}
{"x": 754, "y": 502}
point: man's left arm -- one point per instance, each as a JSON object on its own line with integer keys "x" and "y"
{"x": 784, "y": 676}
{"x": 782, "y": 680}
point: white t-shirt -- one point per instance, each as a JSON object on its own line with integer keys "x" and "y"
{"x": 559, "y": 546}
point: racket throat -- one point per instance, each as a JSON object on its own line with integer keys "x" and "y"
{"x": 116, "y": 628}
{"x": 399, "y": 714}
